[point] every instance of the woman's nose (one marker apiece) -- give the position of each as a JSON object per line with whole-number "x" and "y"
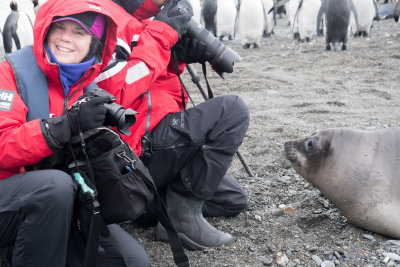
{"x": 66, "y": 36}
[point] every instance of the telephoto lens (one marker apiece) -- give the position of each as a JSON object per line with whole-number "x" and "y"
{"x": 222, "y": 58}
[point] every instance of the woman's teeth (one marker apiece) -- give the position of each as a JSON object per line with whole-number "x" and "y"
{"x": 64, "y": 49}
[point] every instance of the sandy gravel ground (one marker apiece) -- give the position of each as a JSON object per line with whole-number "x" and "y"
{"x": 292, "y": 89}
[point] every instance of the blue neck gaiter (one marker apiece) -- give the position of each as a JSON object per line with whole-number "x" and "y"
{"x": 70, "y": 73}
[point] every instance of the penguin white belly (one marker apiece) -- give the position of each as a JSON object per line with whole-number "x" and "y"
{"x": 251, "y": 21}
{"x": 225, "y": 18}
{"x": 307, "y": 18}
{"x": 292, "y": 6}
{"x": 269, "y": 17}
{"x": 366, "y": 13}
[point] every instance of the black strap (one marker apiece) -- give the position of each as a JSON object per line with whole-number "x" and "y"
{"x": 92, "y": 242}
{"x": 180, "y": 258}
{"x": 174, "y": 62}
{"x": 210, "y": 93}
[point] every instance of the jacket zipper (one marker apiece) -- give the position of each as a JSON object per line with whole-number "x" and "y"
{"x": 174, "y": 146}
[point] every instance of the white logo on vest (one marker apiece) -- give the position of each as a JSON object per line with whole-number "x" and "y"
{"x": 6, "y": 99}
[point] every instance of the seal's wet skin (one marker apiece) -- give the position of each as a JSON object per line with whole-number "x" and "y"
{"x": 357, "y": 170}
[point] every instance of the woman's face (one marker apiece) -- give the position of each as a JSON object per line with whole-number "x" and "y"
{"x": 69, "y": 42}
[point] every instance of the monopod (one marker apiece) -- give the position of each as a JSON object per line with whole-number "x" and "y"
{"x": 196, "y": 80}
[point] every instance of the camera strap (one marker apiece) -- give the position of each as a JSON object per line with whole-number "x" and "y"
{"x": 96, "y": 225}
{"x": 204, "y": 68}
{"x": 174, "y": 62}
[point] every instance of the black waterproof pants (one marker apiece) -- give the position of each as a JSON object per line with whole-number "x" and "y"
{"x": 191, "y": 150}
{"x": 35, "y": 219}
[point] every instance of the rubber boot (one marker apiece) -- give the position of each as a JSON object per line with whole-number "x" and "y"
{"x": 194, "y": 231}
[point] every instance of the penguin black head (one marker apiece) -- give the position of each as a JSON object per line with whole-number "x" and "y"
{"x": 14, "y": 5}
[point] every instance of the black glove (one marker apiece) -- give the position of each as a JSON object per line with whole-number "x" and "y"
{"x": 176, "y": 13}
{"x": 189, "y": 50}
{"x": 88, "y": 115}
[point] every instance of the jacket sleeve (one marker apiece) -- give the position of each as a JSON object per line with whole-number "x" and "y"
{"x": 146, "y": 10}
{"x": 148, "y": 57}
{"x": 21, "y": 142}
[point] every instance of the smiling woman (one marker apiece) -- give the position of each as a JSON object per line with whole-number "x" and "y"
{"x": 73, "y": 42}
{"x": 69, "y": 42}
{"x": 74, "y": 38}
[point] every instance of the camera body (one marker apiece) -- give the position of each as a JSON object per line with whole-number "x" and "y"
{"x": 116, "y": 115}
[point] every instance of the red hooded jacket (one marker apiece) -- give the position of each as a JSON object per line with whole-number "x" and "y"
{"x": 23, "y": 143}
{"x": 143, "y": 66}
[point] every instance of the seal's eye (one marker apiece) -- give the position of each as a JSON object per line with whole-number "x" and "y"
{"x": 310, "y": 143}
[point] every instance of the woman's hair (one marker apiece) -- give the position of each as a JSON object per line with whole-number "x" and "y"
{"x": 96, "y": 48}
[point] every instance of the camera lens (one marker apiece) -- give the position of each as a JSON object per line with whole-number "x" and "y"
{"x": 222, "y": 57}
{"x": 119, "y": 117}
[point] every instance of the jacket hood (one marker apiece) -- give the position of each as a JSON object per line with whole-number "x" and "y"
{"x": 55, "y": 8}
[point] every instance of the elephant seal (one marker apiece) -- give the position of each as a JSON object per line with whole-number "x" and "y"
{"x": 357, "y": 170}
{"x": 337, "y": 20}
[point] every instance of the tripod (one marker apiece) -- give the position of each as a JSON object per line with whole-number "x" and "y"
{"x": 196, "y": 80}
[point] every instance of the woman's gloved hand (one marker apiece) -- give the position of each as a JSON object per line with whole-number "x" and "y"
{"x": 87, "y": 115}
{"x": 189, "y": 50}
{"x": 176, "y": 13}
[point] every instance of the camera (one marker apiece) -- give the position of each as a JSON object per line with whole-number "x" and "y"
{"x": 222, "y": 57}
{"x": 116, "y": 115}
